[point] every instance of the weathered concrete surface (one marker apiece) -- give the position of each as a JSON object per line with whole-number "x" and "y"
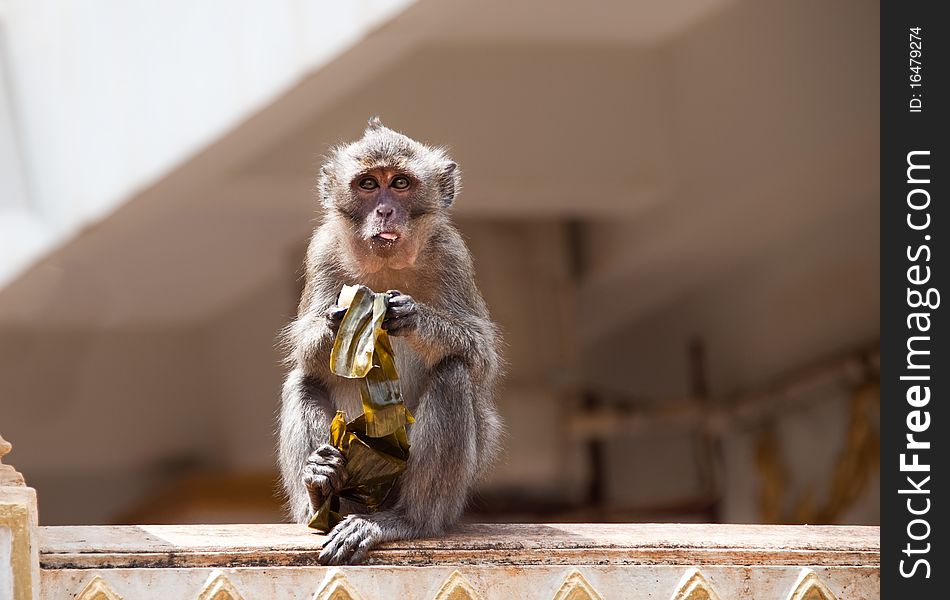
{"x": 490, "y": 582}
{"x": 559, "y": 562}
{"x": 509, "y": 544}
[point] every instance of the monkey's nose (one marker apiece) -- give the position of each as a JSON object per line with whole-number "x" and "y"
{"x": 384, "y": 210}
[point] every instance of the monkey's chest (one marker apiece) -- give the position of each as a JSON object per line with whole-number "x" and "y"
{"x": 346, "y": 395}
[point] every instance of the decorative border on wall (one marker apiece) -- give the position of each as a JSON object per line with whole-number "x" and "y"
{"x": 693, "y": 586}
{"x": 571, "y": 584}
{"x": 98, "y": 589}
{"x": 576, "y": 587}
{"x": 809, "y": 587}
{"x": 336, "y": 587}
{"x": 219, "y": 587}
{"x": 457, "y": 588}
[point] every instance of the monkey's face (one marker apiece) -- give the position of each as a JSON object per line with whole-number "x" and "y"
{"x": 391, "y": 191}
{"x": 384, "y": 198}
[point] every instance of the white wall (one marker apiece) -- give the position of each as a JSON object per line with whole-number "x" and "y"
{"x": 110, "y": 95}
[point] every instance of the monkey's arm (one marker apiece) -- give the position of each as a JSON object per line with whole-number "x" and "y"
{"x": 457, "y": 325}
{"x": 310, "y": 469}
{"x": 310, "y": 337}
{"x": 453, "y": 321}
{"x": 446, "y": 332}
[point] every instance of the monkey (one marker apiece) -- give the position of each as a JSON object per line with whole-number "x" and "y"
{"x": 386, "y": 225}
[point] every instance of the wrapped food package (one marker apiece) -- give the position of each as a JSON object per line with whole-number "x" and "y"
{"x": 375, "y": 444}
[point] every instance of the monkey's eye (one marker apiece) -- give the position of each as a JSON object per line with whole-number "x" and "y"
{"x": 400, "y": 182}
{"x": 368, "y": 183}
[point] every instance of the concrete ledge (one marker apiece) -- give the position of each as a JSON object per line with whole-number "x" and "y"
{"x": 171, "y": 546}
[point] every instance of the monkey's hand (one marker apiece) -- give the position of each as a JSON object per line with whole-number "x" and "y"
{"x": 401, "y": 313}
{"x": 350, "y": 540}
{"x": 324, "y": 474}
{"x": 334, "y": 316}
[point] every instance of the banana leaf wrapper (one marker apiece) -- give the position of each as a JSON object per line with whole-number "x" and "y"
{"x": 362, "y": 350}
{"x": 375, "y": 444}
{"x": 372, "y": 463}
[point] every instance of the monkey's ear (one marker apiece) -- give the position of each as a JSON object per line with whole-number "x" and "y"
{"x": 450, "y": 180}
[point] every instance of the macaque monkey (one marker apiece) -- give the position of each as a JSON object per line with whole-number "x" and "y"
{"x": 386, "y": 199}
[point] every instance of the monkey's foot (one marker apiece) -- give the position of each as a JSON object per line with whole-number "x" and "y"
{"x": 350, "y": 540}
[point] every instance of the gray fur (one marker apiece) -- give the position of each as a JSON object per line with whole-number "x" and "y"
{"x": 444, "y": 340}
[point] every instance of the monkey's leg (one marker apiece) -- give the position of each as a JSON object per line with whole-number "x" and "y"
{"x": 305, "y": 416}
{"x": 441, "y": 468}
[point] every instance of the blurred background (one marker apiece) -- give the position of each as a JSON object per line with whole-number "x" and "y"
{"x": 673, "y": 207}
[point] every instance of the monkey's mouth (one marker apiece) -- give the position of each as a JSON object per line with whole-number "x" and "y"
{"x": 387, "y": 238}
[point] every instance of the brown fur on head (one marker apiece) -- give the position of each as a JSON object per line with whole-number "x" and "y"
{"x": 389, "y": 191}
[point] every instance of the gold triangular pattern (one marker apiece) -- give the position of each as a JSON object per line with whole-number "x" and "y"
{"x": 336, "y": 587}
{"x": 693, "y": 586}
{"x": 219, "y": 587}
{"x": 456, "y": 588}
{"x": 809, "y": 587}
{"x": 576, "y": 587}
{"x": 98, "y": 589}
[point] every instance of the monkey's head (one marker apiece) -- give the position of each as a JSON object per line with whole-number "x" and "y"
{"x": 390, "y": 192}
